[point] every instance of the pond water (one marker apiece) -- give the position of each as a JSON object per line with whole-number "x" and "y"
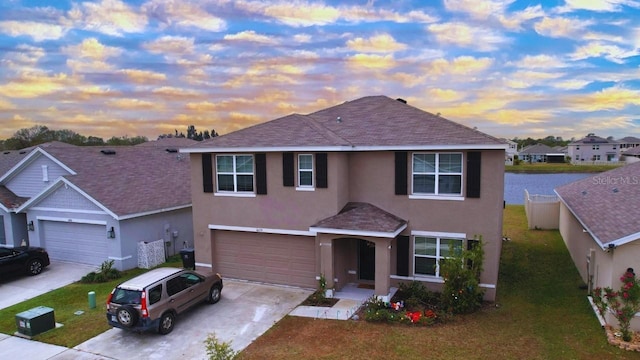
{"x": 536, "y": 184}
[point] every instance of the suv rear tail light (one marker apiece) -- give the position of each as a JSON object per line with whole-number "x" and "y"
{"x": 109, "y": 298}
{"x": 143, "y": 304}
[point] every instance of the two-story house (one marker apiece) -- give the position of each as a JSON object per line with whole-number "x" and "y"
{"x": 511, "y": 153}
{"x": 592, "y": 149}
{"x": 370, "y": 191}
{"x": 91, "y": 204}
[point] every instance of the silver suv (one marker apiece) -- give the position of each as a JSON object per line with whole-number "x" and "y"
{"x": 152, "y": 300}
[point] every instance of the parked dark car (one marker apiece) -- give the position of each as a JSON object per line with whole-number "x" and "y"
{"x": 29, "y": 260}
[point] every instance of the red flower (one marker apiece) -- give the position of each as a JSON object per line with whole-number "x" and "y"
{"x": 414, "y": 316}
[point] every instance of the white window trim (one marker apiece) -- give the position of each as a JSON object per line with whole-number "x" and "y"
{"x": 235, "y": 174}
{"x": 438, "y": 235}
{"x": 45, "y": 173}
{"x": 436, "y": 173}
{"x": 311, "y": 187}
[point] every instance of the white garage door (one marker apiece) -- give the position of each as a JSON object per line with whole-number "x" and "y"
{"x": 81, "y": 243}
{"x": 275, "y": 259}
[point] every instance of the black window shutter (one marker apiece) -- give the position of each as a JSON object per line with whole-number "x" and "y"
{"x": 473, "y": 173}
{"x": 402, "y": 255}
{"x": 207, "y": 173}
{"x": 471, "y": 244}
{"x": 261, "y": 173}
{"x": 401, "y": 172}
{"x": 288, "y": 169}
{"x": 321, "y": 170}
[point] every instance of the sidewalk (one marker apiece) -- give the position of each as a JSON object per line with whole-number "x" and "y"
{"x": 14, "y": 347}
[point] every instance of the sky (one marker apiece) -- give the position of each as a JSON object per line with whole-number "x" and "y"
{"x": 511, "y": 68}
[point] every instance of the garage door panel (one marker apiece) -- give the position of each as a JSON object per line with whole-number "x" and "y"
{"x": 75, "y": 242}
{"x": 278, "y": 259}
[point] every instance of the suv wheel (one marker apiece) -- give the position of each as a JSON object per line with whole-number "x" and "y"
{"x": 34, "y": 267}
{"x": 214, "y": 294}
{"x": 127, "y": 316}
{"x": 166, "y": 323}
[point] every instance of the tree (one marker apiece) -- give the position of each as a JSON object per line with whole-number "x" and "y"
{"x": 125, "y": 140}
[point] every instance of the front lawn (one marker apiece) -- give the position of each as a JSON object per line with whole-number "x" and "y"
{"x": 541, "y": 313}
{"x": 65, "y": 302}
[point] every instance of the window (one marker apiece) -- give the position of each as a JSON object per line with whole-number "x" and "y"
{"x": 305, "y": 170}
{"x": 428, "y": 251}
{"x": 155, "y": 294}
{"x": 596, "y": 157}
{"x": 437, "y": 174}
{"x": 595, "y": 147}
{"x": 234, "y": 173}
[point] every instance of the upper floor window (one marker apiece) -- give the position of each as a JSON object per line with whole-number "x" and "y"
{"x": 595, "y": 147}
{"x": 428, "y": 251}
{"x": 437, "y": 173}
{"x": 305, "y": 170}
{"x": 234, "y": 173}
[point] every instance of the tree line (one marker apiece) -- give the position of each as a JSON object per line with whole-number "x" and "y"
{"x": 40, "y": 134}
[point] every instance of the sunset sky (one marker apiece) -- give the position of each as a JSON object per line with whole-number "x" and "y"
{"x": 143, "y": 68}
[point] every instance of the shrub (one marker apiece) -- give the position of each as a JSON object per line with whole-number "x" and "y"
{"x": 217, "y": 350}
{"x": 461, "y": 292}
{"x": 105, "y": 273}
{"x": 624, "y": 304}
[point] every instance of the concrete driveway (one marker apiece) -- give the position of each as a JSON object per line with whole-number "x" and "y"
{"x": 245, "y": 312}
{"x": 17, "y": 288}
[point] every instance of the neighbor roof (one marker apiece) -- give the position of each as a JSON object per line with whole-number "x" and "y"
{"x": 358, "y": 218}
{"x": 132, "y": 180}
{"x": 634, "y": 151}
{"x": 629, "y": 140}
{"x": 538, "y": 149}
{"x": 368, "y": 123}
{"x": 593, "y": 139}
{"x": 606, "y": 204}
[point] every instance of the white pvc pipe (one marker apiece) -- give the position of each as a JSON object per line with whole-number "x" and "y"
{"x": 603, "y": 323}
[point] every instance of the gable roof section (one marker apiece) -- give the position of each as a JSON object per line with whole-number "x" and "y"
{"x": 538, "y": 149}
{"x": 606, "y": 204}
{"x": 28, "y": 159}
{"x": 10, "y": 201}
{"x": 361, "y": 219}
{"x": 133, "y": 181}
{"x": 369, "y": 123}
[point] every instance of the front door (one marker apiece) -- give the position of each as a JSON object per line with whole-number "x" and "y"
{"x": 366, "y": 260}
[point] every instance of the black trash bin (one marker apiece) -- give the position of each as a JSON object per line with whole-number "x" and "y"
{"x": 188, "y": 258}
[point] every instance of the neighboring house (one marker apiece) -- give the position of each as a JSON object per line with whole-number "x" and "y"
{"x": 89, "y": 204}
{"x": 631, "y": 155}
{"x": 599, "y": 224}
{"x": 592, "y": 149}
{"x": 511, "y": 152}
{"x": 369, "y": 191}
{"x": 628, "y": 143}
{"x": 536, "y": 153}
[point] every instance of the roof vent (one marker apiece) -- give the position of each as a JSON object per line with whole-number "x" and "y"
{"x": 108, "y": 152}
{"x": 402, "y": 100}
{"x": 615, "y": 190}
{"x": 339, "y": 120}
{"x": 171, "y": 150}
{"x": 584, "y": 192}
{"x": 7, "y": 152}
{"x": 22, "y": 152}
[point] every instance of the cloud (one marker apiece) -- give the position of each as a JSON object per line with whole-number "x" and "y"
{"x": 31, "y": 85}
{"x": 90, "y": 56}
{"x": 612, "y": 98}
{"x": 541, "y": 61}
{"x": 293, "y": 13}
{"x": 251, "y": 36}
{"x": 478, "y": 9}
{"x": 370, "y": 61}
{"x": 463, "y": 35}
{"x": 23, "y": 59}
{"x": 380, "y": 43}
{"x": 443, "y": 95}
{"x": 6, "y": 105}
{"x": 612, "y": 53}
{"x": 525, "y": 79}
{"x": 111, "y": 17}
{"x": 597, "y": 5}
{"x": 515, "y": 20}
{"x": 183, "y": 14}
{"x": 571, "y": 84}
{"x": 561, "y": 27}
{"x": 174, "y": 92}
{"x": 462, "y": 65}
{"x": 143, "y": 76}
{"x": 36, "y": 30}
{"x": 175, "y": 45}
{"x": 135, "y": 104}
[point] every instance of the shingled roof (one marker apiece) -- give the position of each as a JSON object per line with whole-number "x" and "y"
{"x": 127, "y": 180}
{"x": 373, "y": 122}
{"x": 357, "y": 218}
{"x": 606, "y": 204}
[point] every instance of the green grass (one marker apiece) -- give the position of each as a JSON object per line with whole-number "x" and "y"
{"x": 65, "y": 302}
{"x": 557, "y": 168}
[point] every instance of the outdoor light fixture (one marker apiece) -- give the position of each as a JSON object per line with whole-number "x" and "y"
{"x": 30, "y": 226}
{"x": 111, "y": 234}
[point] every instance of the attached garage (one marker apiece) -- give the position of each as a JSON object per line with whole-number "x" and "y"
{"x": 269, "y": 258}
{"x": 75, "y": 242}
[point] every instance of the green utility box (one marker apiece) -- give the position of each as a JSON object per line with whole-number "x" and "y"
{"x": 35, "y": 321}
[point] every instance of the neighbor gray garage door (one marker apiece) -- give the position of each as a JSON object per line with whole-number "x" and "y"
{"x": 269, "y": 258}
{"x": 81, "y": 243}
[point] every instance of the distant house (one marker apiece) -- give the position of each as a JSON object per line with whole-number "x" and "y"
{"x": 372, "y": 191}
{"x": 592, "y": 149}
{"x": 598, "y": 222}
{"x": 631, "y": 155}
{"x": 511, "y": 152}
{"x": 90, "y": 204}
{"x": 539, "y": 153}
{"x": 628, "y": 143}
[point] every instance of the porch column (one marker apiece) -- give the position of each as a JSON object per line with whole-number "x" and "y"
{"x": 326, "y": 260}
{"x": 383, "y": 269}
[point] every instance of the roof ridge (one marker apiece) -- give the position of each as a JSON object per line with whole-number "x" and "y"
{"x": 310, "y": 119}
